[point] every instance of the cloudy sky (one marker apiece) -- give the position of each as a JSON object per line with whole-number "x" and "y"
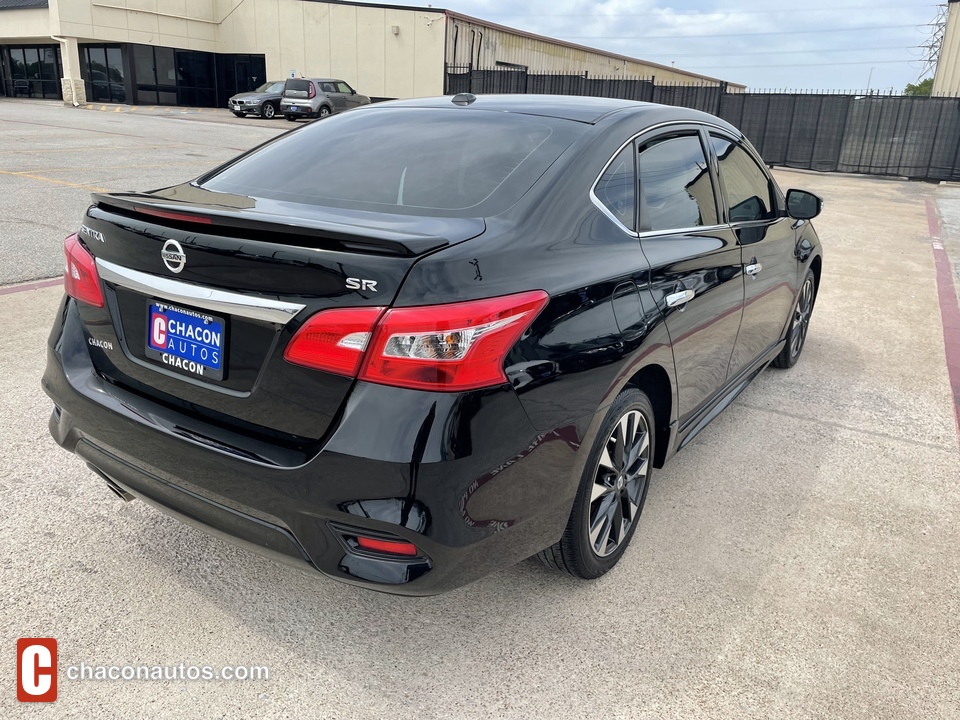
{"x": 827, "y": 45}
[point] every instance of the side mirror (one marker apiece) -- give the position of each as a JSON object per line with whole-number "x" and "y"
{"x": 803, "y": 205}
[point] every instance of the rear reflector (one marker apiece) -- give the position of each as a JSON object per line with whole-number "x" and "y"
{"x": 455, "y": 347}
{"x": 80, "y": 278}
{"x": 391, "y": 547}
{"x": 333, "y": 340}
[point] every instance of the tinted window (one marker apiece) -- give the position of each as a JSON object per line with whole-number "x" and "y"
{"x": 327, "y": 87}
{"x": 297, "y": 85}
{"x": 749, "y": 192}
{"x": 616, "y": 188}
{"x": 410, "y": 160}
{"x": 675, "y": 186}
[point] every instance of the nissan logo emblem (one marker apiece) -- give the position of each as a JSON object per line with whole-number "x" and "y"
{"x": 173, "y": 256}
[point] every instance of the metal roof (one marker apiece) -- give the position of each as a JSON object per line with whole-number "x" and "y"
{"x": 18, "y": 4}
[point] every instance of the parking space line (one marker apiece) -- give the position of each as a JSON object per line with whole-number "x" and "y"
{"x": 30, "y": 176}
{"x": 97, "y": 148}
{"x": 949, "y": 309}
{"x": 28, "y": 173}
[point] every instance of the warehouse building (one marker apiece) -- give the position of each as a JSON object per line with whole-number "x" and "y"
{"x": 947, "y": 80}
{"x": 200, "y": 52}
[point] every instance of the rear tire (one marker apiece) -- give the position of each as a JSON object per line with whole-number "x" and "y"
{"x": 291, "y": 118}
{"x": 799, "y": 324}
{"x": 323, "y": 112}
{"x": 613, "y": 490}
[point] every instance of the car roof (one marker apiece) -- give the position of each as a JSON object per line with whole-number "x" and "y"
{"x": 315, "y": 79}
{"x": 567, "y": 107}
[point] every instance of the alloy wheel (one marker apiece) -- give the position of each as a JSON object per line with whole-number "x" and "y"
{"x": 268, "y": 112}
{"x": 801, "y": 318}
{"x": 619, "y": 483}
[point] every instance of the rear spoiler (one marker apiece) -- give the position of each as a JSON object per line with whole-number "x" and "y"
{"x": 340, "y": 230}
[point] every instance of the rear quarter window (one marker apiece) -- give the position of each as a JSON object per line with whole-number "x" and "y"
{"x": 409, "y": 160}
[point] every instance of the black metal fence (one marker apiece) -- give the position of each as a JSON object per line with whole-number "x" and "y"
{"x": 915, "y": 137}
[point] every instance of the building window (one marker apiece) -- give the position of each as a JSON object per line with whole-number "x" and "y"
{"x": 165, "y": 76}
{"x": 102, "y": 70}
{"x": 34, "y": 71}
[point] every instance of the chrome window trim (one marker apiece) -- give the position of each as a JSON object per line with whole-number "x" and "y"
{"x": 218, "y": 301}
{"x": 649, "y": 233}
{"x": 683, "y": 231}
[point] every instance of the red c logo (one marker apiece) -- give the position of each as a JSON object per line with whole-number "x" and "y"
{"x": 36, "y": 669}
{"x": 158, "y": 331}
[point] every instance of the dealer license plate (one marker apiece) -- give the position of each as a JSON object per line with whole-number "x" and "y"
{"x": 186, "y": 341}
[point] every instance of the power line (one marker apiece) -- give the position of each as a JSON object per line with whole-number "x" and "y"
{"x": 781, "y": 51}
{"x": 730, "y": 67}
{"x": 695, "y": 13}
{"x": 696, "y": 37}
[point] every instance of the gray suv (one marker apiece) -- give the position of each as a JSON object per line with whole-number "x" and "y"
{"x": 318, "y": 98}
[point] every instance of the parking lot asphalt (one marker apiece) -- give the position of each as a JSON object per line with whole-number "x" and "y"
{"x": 798, "y": 560}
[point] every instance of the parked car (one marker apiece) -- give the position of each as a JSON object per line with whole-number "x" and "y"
{"x": 318, "y": 98}
{"x": 419, "y": 342}
{"x": 264, "y": 101}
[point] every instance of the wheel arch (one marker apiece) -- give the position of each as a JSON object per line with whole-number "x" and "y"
{"x": 815, "y": 266}
{"x": 654, "y": 381}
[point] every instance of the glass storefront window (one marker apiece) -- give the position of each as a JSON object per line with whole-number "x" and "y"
{"x": 34, "y": 71}
{"x": 103, "y": 71}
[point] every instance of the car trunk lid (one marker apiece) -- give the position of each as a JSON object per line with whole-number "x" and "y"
{"x": 238, "y": 276}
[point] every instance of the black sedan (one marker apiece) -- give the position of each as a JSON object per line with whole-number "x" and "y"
{"x": 264, "y": 101}
{"x": 424, "y": 340}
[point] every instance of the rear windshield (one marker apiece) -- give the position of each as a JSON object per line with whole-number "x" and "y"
{"x": 420, "y": 161}
{"x": 301, "y": 85}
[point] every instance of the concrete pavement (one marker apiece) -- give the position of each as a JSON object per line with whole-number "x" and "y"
{"x": 798, "y": 560}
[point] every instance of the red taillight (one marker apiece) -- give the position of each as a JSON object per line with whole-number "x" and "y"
{"x": 392, "y": 547}
{"x": 312, "y": 92}
{"x": 334, "y": 340}
{"x": 171, "y": 215}
{"x": 80, "y": 277}
{"x": 456, "y": 347}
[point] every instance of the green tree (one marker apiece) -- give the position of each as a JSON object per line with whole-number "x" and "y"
{"x": 924, "y": 87}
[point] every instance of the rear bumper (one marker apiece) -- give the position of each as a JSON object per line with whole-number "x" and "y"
{"x": 464, "y": 477}
{"x": 304, "y": 108}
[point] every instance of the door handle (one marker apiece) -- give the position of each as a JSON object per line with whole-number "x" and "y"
{"x": 753, "y": 268}
{"x": 680, "y": 298}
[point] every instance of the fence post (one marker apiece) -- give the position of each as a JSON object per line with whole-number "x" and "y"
{"x": 936, "y": 134}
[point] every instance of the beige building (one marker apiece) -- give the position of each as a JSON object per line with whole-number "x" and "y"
{"x": 200, "y": 52}
{"x": 947, "y": 80}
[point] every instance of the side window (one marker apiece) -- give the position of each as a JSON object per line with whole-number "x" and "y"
{"x": 344, "y": 88}
{"x": 675, "y": 187}
{"x": 616, "y": 188}
{"x": 749, "y": 192}
{"x": 327, "y": 87}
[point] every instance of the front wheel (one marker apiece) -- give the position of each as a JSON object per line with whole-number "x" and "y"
{"x": 613, "y": 489}
{"x": 267, "y": 111}
{"x": 799, "y": 324}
